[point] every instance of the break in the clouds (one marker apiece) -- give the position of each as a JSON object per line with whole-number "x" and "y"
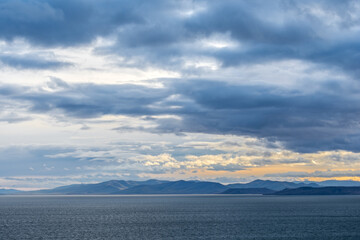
{"x": 94, "y": 90}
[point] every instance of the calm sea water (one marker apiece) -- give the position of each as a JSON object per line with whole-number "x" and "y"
{"x": 180, "y": 217}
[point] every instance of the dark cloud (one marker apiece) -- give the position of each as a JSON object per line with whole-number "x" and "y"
{"x": 69, "y": 22}
{"x": 264, "y": 32}
{"x": 245, "y": 22}
{"x": 167, "y": 34}
{"x": 63, "y": 22}
{"x": 88, "y": 100}
{"x": 320, "y": 174}
{"x": 303, "y": 121}
{"x": 31, "y": 62}
{"x": 13, "y": 118}
{"x": 160, "y": 33}
{"x": 307, "y": 122}
{"x": 57, "y": 83}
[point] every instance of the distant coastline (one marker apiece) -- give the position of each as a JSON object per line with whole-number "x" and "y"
{"x": 153, "y": 186}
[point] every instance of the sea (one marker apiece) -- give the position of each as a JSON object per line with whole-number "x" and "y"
{"x": 180, "y": 217}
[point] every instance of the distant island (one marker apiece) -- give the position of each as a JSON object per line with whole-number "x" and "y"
{"x": 248, "y": 191}
{"x": 153, "y": 186}
{"x": 320, "y": 191}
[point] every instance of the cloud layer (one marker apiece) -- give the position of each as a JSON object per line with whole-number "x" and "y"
{"x": 310, "y": 122}
{"x": 284, "y": 73}
{"x": 177, "y": 32}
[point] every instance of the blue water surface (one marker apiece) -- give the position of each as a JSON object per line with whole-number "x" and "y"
{"x": 180, "y": 217}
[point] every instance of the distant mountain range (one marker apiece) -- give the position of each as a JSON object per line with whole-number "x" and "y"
{"x": 320, "y": 191}
{"x": 272, "y": 185}
{"x": 337, "y": 183}
{"x": 109, "y": 187}
{"x": 178, "y": 187}
{"x": 154, "y": 186}
{"x": 9, "y": 191}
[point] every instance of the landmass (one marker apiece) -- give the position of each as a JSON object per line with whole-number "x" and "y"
{"x": 153, "y": 186}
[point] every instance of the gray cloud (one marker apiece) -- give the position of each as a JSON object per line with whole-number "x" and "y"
{"x": 228, "y": 167}
{"x": 31, "y": 62}
{"x": 91, "y": 100}
{"x": 13, "y": 118}
{"x": 64, "y": 23}
{"x": 321, "y": 174}
{"x": 325, "y": 119}
{"x": 70, "y": 23}
{"x": 264, "y": 33}
{"x": 293, "y": 68}
{"x": 305, "y": 122}
{"x": 159, "y": 33}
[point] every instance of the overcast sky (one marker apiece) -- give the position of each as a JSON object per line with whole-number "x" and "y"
{"x": 228, "y": 91}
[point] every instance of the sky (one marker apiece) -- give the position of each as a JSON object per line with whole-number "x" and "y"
{"x": 226, "y": 91}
